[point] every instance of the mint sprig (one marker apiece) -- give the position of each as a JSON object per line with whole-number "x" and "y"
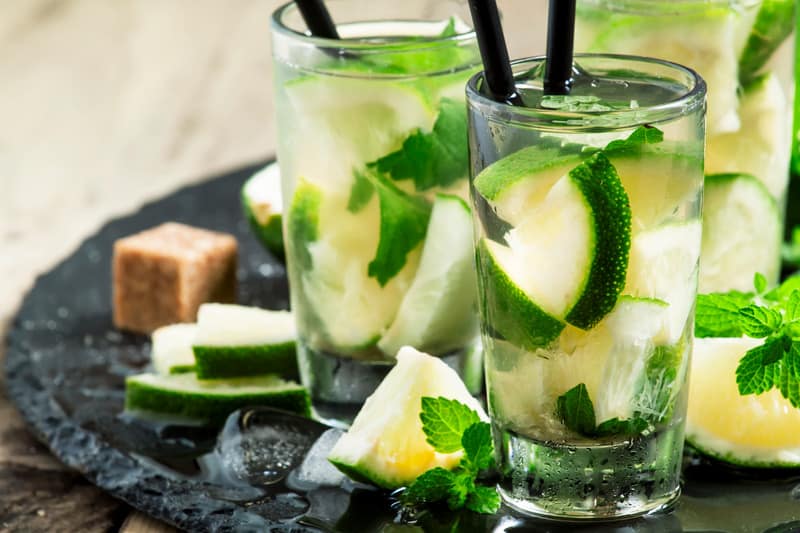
{"x": 450, "y": 426}
{"x": 575, "y": 409}
{"x": 435, "y": 158}
{"x": 772, "y": 315}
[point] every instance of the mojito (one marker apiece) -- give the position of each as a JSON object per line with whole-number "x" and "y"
{"x": 373, "y": 154}
{"x": 744, "y": 50}
{"x": 588, "y": 235}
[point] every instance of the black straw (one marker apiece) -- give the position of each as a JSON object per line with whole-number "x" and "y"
{"x": 492, "y": 44}
{"x": 317, "y": 18}
{"x": 560, "y": 42}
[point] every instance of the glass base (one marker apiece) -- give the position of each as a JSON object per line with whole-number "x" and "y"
{"x": 339, "y": 386}
{"x": 604, "y": 482}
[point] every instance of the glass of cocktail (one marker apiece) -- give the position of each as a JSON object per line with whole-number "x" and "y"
{"x": 744, "y": 50}
{"x": 373, "y": 153}
{"x": 587, "y": 215}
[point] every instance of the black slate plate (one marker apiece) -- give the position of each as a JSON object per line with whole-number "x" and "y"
{"x": 66, "y": 366}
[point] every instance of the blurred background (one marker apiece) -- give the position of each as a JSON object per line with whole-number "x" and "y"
{"x": 107, "y": 104}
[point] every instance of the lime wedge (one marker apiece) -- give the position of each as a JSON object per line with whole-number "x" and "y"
{"x": 171, "y": 351}
{"x": 263, "y": 207}
{"x": 752, "y": 431}
{"x": 385, "y": 445}
{"x": 184, "y": 396}
{"x": 238, "y": 341}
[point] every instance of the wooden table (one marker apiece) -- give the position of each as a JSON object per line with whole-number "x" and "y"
{"x": 104, "y": 105}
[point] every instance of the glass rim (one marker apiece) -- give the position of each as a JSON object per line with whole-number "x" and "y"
{"x": 360, "y": 46}
{"x": 680, "y": 105}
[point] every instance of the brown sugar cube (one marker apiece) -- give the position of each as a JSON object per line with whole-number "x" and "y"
{"x": 162, "y": 275}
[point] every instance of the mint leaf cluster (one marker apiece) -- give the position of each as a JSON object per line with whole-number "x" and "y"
{"x": 430, "y": 159}
{"x": 770, "y": 315}
{"x": 575, "y": 409}
{"x": 450, "y": 426}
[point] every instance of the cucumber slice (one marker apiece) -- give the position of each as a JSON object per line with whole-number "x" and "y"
{"x": 773, "y": 25}
{"x": 762, "y": 147}
{"x": 185, "y": 396}
{"x": 171, "y": 351}
{"x": 438, "y": 313}
{"x": 663, "y": 265}
{"x": 709, "y": 41}
{"x": 757, "y": 431}
{"x": 348, "y": 123}
{"x": 238, "y": 341}
{"x": 262, "y": 204}
{"x": 340, "y": 307}
{"x": 741, "y": 233}
{"x": 385, "y": 445}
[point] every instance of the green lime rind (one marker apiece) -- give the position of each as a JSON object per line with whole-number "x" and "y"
{"x": 270, "y": 235}
{"x": 218, "y": 362}
{"x": 611, "y": 213}
{"x": 731, "y": 458}
{"x": 500, "y": 176}
{"x": 181, "y": 369}
{"x": 509, "y": 310}
{"x": 773, "y": 25}
{"x": 303, "y": 222}
{"x": 360, "y": 473}
{"x": 183, "y": 395}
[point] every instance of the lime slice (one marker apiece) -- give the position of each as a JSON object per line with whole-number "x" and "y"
{"x": 708, "y": 40}
{"x": 385, "y": 445}
{"x": 741, "y": 233}
{"x": 762, "y": 146}
{"x": 339, "y": 306}
{"x": 184, "y": 396}
{"x": 773, "y": 25}
{"x": 517, "y": 181}
{"x": 263, "y": 206}
{"x": 753, "y": 430}
{"x": 659, "y": 181}
{"x": 348, "y": 123}
{"x": 663, "y": 265}
{"x": 238, "y": 341}
{"x": 171, "y": 351}
{"x": 439, "y": 312}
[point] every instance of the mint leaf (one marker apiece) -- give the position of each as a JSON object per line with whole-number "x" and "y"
{"x": 463, "y": 485}
{"x": 717, "y": 314}
{"x": 360, "y": 193}
{"x": 438, "y": 158}
{"x": 450, "y": 29}
{"x": 444, "y": 422}
{"x": 789, "y": 380}
{"x": 793, "y": 306}
{"x": 641, "y": 136}
{"x": 784, "y": 290}
{"x": 759, "y": 322}
{"x": 478, "y": 449}
{"x": 760, "y": 283}
{"x": 432, "y": 486}
{"x": 404, "y": 221}
{"x": 574, "y": 408}
{"x": 615, "y": 426}
{"x": 756, "y": 372}
{"x": 484, "y": 500}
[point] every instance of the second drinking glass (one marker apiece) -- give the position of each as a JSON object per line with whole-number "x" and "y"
{"x": 587, "y": 212}
{"x": 373, "y": 154}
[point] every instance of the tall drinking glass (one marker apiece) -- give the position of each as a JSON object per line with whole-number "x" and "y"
{"x": 587, "y": 215}
{"x": 374, "y": 162}
{"x": 744, "y": 50}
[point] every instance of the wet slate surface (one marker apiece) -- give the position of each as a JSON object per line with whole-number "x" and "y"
{"x": 66, "y": 366}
